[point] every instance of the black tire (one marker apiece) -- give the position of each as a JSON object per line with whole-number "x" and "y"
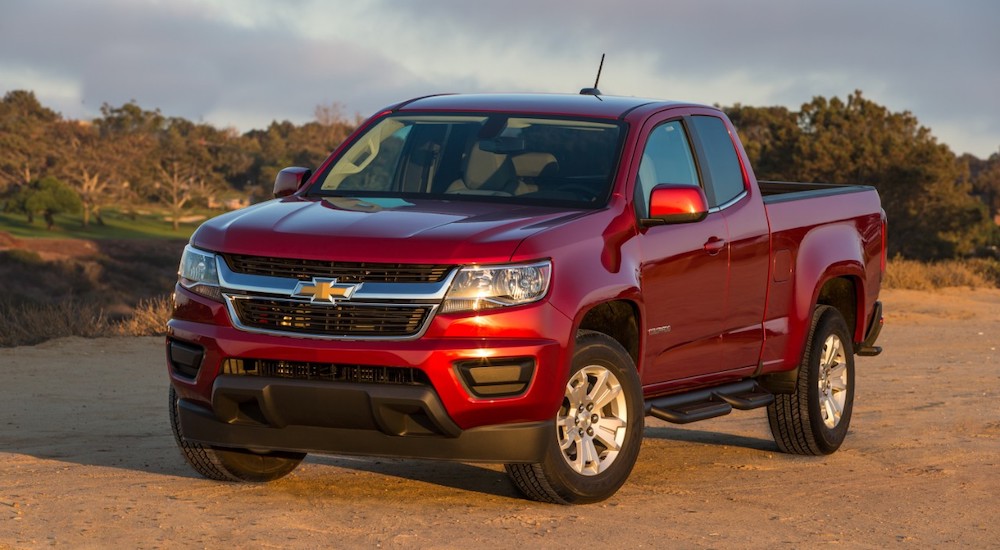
{"x": 806, "y": 421}
{"x": 583, "y": 481}
{"x": 231, "y": 464}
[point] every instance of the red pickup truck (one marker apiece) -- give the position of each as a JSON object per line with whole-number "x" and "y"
{"x": 522, "y": 279}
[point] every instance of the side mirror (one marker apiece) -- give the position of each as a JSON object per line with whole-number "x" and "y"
{"x": 670, "y": 203}
{"x": 290, "y": 180}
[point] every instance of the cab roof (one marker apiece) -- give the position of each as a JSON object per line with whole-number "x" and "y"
{"x": 582, "y": 105}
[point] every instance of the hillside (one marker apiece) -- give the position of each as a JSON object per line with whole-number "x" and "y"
{"x": 110, "y": 274}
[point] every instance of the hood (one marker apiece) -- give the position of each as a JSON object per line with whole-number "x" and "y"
{"x": 379, "y": 229}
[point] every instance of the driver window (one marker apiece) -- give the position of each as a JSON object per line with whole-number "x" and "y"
{"x": 666, "y": 159}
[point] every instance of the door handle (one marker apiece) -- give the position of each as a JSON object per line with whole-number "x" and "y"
{"x": 714, "y": 246}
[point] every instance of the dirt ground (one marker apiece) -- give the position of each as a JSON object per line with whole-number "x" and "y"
{"x": 87, "y": 460}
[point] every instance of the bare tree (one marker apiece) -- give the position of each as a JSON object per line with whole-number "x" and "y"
{"x": 175, "y": 189}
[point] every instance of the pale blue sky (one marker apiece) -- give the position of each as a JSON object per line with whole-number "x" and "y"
{"x": 243, "y": 63}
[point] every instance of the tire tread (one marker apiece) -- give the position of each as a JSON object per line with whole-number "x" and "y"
{"x": 789, "y": 416}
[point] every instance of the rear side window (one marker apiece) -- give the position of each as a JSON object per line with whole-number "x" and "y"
{"x": 723, "y": 165}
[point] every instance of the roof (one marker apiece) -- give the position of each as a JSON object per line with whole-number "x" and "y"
{"x": 552, "y": 104}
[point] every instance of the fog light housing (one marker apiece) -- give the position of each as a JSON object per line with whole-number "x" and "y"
{"x": 496, "y": 377}
{"x": 185, "y": 358}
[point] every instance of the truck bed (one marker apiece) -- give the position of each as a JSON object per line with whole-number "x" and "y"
{"x": 782, "y": 191}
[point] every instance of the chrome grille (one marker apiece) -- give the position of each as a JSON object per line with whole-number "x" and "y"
{"x": 346, "y": 319}
{"x": 344, "y": 272}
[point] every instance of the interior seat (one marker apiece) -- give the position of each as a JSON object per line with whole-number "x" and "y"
{"x": 530, "y": 166}
{"x": 486, "y": 173}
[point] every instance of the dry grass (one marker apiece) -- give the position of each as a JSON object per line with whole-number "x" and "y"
{"x": 914, "y": 275}
{"x": 29, "y": 324}
{"x": 149, "y": 318}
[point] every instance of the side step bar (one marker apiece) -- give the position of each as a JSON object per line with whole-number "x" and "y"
{"x": 692, "y": 406}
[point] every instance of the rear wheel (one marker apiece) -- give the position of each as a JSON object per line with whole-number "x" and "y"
{"x": 231, "y": 464}
{"x": 596, "y": 433}
{"x": 813, "y": 420}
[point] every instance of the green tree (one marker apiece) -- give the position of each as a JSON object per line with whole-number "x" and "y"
{"x": 186, "y": 168}
{"x": 48, "y": 197}
{"x": 925, "y": 189}
{"x": 985, "y": 175}
{"x": 128, "y": 140}
{"x": 25, "y": 140}
{"x": 769, "y": 135}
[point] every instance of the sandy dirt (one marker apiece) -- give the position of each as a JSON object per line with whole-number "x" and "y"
{"x": 87, "y": 460}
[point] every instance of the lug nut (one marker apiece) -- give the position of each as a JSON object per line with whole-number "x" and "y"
{"x": 590, "y": 431}
{"x": 595, "y": 419}
{"x": 590, "y": 406}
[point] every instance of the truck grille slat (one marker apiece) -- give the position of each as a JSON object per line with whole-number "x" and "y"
{"x": 345, "y": 272}
{"x": 331, "y": 372}
{"x": 336, "y": 320}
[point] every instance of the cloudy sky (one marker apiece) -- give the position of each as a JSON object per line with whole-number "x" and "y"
{"x": 244, "y": 63}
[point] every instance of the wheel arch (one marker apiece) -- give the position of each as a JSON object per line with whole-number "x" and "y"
{"x": 845, "y": 294}
{"x": 620, "y": 320}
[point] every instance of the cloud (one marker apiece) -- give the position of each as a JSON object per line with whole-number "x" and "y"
{"x": 246, "y": 62}
{"x": 193, "y": 63}
{"x": 935, "y": 59}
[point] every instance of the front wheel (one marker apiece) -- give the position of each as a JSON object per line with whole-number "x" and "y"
{"x": 813, "y": 420}
{"x": 596, "y": 433}
{"x": 231, "y": 464}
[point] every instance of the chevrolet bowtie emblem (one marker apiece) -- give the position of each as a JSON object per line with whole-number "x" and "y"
{"x": 324, "y": 290}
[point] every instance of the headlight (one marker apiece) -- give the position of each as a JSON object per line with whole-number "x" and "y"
{"x": 486, "y": 287}
{"x": 198, "y": 273}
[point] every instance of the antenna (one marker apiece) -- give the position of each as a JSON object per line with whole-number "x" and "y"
{"x": 599, "y": 67}
{"x": 594, "y": 91}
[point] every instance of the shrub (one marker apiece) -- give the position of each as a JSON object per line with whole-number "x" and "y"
{"x": 914, "y": 275}
{"x": 28, "y": 324}
{"x": 149, "y": 318}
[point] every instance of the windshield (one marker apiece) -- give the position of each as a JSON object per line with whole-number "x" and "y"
{"x": 507, "y": 158}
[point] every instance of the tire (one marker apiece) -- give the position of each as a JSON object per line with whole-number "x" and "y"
{"x": 231, "y": 464}
{"x": 814, "y": 418}
{"x": 587, "y": 461}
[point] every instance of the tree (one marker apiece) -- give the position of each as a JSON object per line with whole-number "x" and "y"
{"x": 769, "y": 135}
{"x": 128, "y": 138}
{"x": 48, "y": 197}
{"x": 25, "y": 151}
{"x": 186, "y": 166}
{"x": 86, "y": 164}
{"x": 926, "y": 191}
{"x": 985, "y": 175}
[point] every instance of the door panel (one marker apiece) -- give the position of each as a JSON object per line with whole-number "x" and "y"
{"x": 685, "y": 267}
{"x": 684, "y": 291}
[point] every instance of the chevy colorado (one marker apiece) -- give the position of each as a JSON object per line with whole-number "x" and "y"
{"x": 522, "y": 279}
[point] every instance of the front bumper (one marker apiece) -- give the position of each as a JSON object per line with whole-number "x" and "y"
{"x": 355, "y": 419}
{"x": 439, "y": 417}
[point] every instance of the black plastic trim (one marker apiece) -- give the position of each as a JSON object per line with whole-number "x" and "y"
{"x": 496, "y": 388}
{"x": 506, "y": 443}
{"x": 185, "y": 358}
{"x": 868, "y": 347}
{"x": 705, "y": 403}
